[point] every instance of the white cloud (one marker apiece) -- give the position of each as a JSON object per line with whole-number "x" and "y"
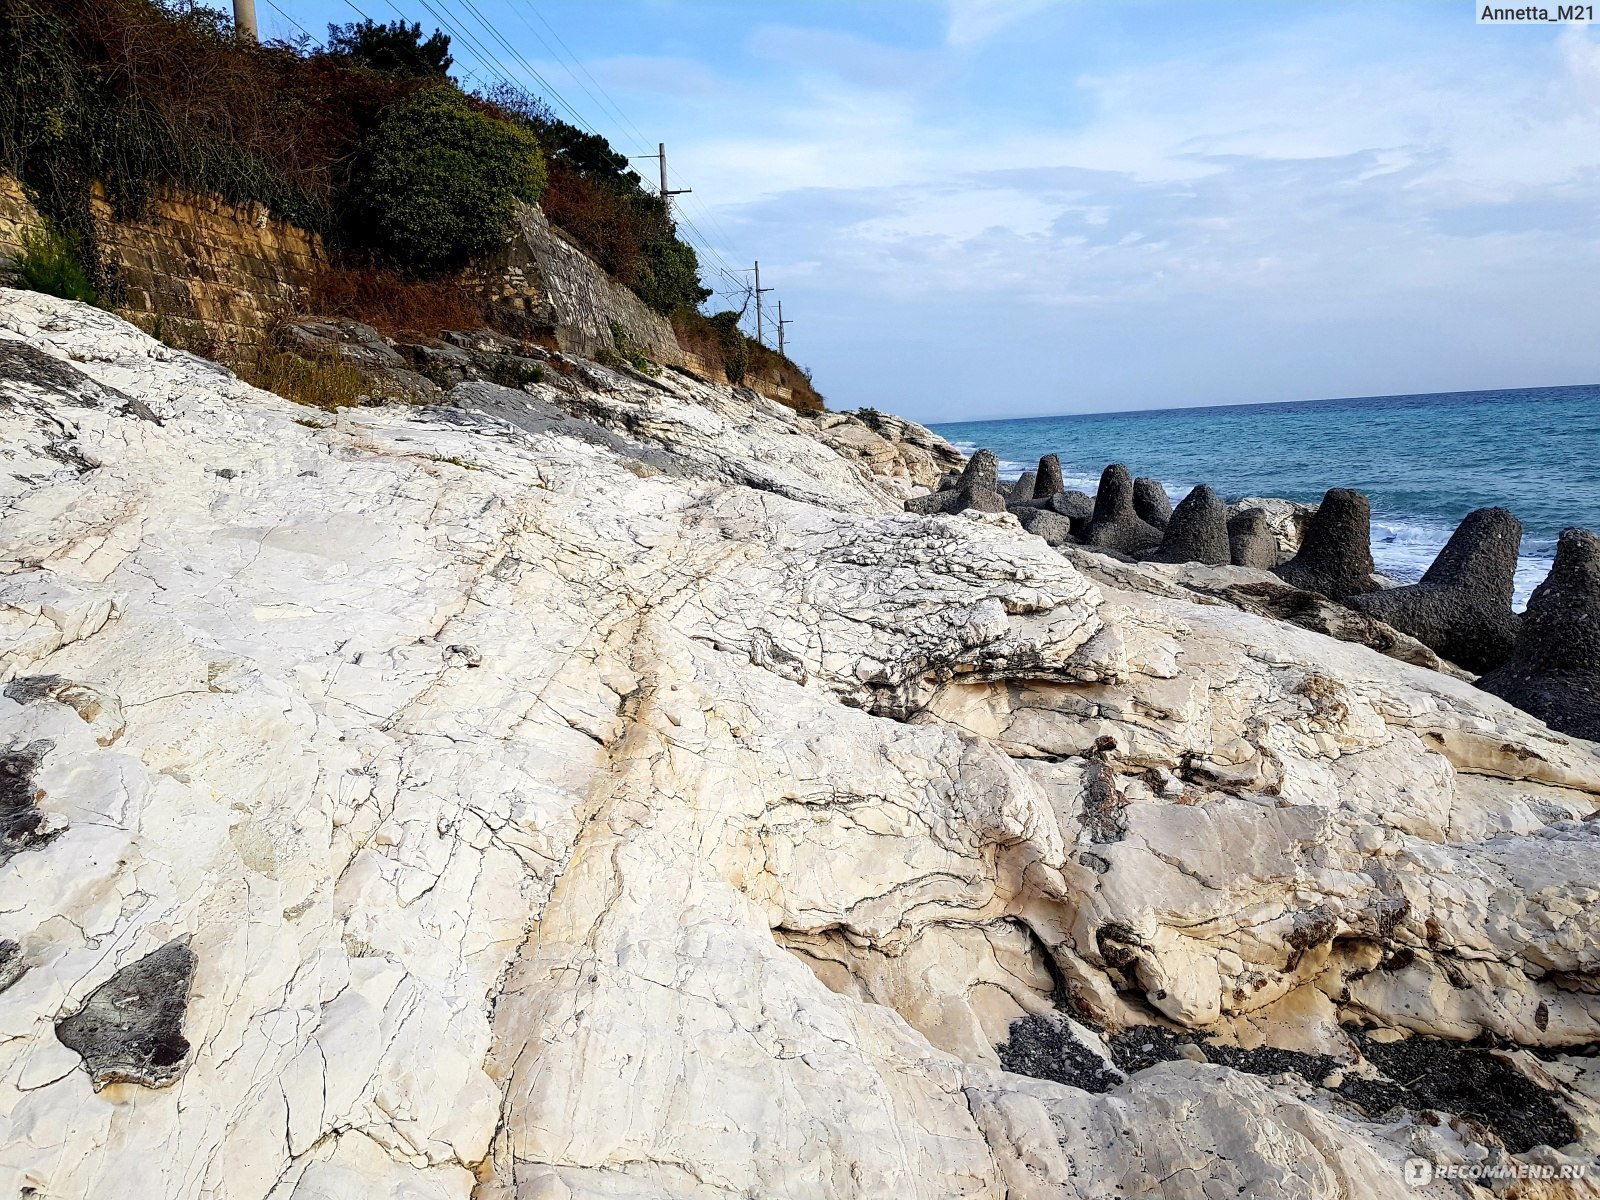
{"x": 1318, "y": 170}
{"x": 974, "y": 21}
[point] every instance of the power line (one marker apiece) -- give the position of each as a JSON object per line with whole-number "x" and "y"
{"x": 605, "y": 103}
{"x": 708, "y": 244}
{"x": 460, "y": 36}
{"x": 528, "y": 67}
{"x": 295, "y": 23}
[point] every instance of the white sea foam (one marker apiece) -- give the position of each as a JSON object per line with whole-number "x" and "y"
{"x": 1403, "y": 549}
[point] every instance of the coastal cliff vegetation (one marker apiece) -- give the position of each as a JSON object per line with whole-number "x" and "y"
{"x": 366, "y": 141}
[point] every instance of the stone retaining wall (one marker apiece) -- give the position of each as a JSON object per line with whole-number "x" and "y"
{"x": 216, "y": 275}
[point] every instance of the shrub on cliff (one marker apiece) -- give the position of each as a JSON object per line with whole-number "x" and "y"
{"x": 437, "y": 180}
{"x": 136, "y": 95}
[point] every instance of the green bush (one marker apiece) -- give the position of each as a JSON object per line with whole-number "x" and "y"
{"x": 437, "y": 181}
{"x": 50, "y": 263}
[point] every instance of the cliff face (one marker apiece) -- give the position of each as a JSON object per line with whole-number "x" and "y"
{"x": 222, "y": 276}
{"x": 598, "y": 790}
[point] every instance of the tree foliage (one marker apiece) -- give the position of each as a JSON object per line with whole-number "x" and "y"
{"x": 138, "y": 95}
{"x": 395, "y": 49}
{"x": 438, "y": 178}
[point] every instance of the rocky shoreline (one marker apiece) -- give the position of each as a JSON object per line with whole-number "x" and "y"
{"x": 1460, "y": 610}
{"x": 602, "y": 788}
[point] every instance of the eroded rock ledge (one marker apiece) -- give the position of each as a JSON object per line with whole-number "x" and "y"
{"x": 602, "y": 790}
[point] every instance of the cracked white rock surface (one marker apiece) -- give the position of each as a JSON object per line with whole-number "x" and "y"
{"x": 550, "y": 826}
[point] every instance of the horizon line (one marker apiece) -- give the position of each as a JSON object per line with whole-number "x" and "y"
{"x": 1115, "y": 412}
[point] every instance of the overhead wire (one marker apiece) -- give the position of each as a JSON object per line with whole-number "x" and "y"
{"x": 293, "y": 22}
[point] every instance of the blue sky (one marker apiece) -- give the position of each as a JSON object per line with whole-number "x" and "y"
{"x": 980, "y": 208}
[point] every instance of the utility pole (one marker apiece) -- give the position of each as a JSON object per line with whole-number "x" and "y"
{"x": 782, "y": 321}
{"x": 661, "y": 161}
{"x": 244, "y": 19}
{"x": 760, "y": 331}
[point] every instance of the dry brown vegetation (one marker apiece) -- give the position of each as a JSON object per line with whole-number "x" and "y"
{"x": 394, "y": 304}
{"x": 326, "y": 383}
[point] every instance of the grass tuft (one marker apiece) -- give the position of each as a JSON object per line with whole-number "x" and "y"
{"x": 50, "y": 263}
{"x": 326, "y": 383}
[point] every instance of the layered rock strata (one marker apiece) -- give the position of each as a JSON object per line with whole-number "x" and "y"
{"x": 600, "y": 789}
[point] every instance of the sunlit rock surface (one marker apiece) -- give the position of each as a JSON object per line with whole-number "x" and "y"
{"x": 604, "y": 790}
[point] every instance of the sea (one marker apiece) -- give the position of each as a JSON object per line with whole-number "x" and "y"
{"x": 1423, "y": 462}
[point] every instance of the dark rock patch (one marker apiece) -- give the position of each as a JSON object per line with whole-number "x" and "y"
{"x": 27, "y": 364}
{"x": 1554, "y": 671}
{"x": 1461, "y": 609}
{"x": 1115, "y": 525}
{"x": 1471, "y": 1082}
{"x": 22, "y": 822}
{"x": 1250, "y": 541}
{"x": 1022, "y": 490}
{"x": 1105, "y": 808}
{"x": 31, "y": 689}
{"x": 1044, "y": 1047}
{"x": 130, "y": 1029}
{"x": 1415, "y": 1074}
{"x": 1143, "y": 1046}
{"x": 1335, "y": 559}
{"x": 490, "y": 408}
{"x": 1150, "y": 501}
{"x": 1197, "y": 531}
{"x": 12, "y": 966}
{"x": 1311, "y": 928}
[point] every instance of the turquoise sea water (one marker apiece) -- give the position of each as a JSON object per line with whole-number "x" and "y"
{"x": 1423, "y": 461}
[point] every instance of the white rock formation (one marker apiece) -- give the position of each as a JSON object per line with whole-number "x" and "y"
{"x": 551, "y": 820}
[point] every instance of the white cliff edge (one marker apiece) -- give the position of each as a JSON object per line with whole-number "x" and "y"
{"x": 524, "y": 813}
